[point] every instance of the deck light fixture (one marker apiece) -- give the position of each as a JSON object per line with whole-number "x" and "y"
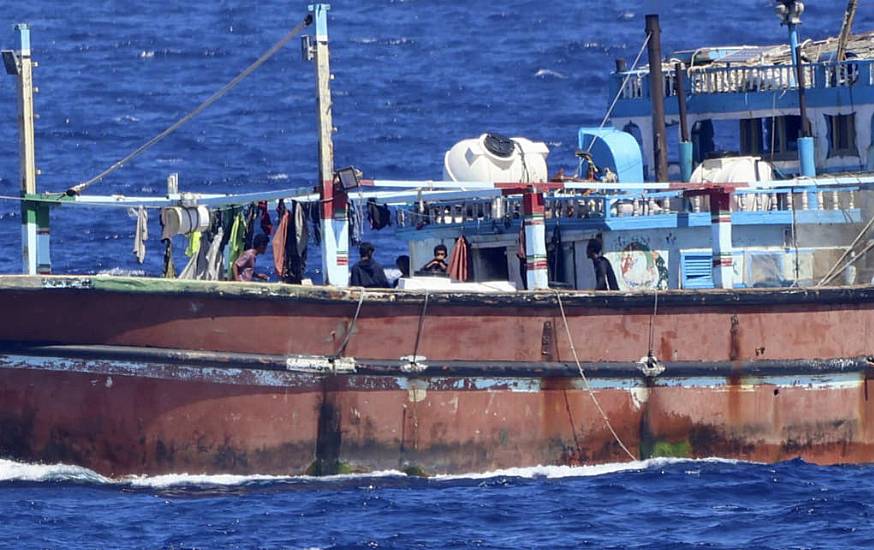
{"x": 10, "y": 61}
{"x": 789, "y": 11}
{"x": 349, "y": 178}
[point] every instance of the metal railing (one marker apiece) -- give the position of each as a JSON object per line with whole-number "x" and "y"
{"x": 761, "y": 78}
{"x": 504, "y": 210}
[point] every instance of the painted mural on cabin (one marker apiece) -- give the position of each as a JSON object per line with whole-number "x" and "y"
{"x": 637, "y": 266}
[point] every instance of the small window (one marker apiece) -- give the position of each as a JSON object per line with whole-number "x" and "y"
{"x": 842, "y": 135}
{"x": 751, "y": 137}
{"x": 781, "y": 137}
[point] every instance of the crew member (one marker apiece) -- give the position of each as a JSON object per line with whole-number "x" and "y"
{"x": 367, "y": 272}
{"x": 243, "y": 268}
{"x": 605, "y": 279}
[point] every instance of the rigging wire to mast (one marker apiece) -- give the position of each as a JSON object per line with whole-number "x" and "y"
{"x": 621, "y": 88}
{"x": 78, "y": 188}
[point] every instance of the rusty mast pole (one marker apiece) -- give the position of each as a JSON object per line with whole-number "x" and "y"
{"x": 657, "y": 97}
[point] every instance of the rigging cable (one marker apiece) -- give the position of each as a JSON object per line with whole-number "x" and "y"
{"x": 78, "y": 188}
{"x": 621, "y": 89}
{"x": 342, "y": 349}
{"x": 586, "y": 380}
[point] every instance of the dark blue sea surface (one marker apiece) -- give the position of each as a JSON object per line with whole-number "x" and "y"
{"x": 656, "y": 504}
{"x": 412, "y": 78}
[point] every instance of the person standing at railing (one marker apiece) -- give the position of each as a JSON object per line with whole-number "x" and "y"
{"x": 605, "y": 279}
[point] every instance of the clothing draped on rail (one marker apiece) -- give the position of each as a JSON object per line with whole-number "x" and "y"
{"x": 264, "y": 217}
{"x": 459, "y": 261}
{"x": 169, "y": 267}
{"x": 356, "y": 222}
{"x": 279, "y": 239}
{"x": 141, "y": 233}
{"x": 250, "y": 214}
{"x": 290, "y": 243}
{"x": 236, "y": 242}
{"x": 378, "y": 214}
{"x": 555, "y": 256}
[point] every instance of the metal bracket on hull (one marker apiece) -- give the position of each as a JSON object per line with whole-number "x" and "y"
{"x": 414, "y": 363}
{"x": 320, "y": 364}
{"x": 650, "y": 366}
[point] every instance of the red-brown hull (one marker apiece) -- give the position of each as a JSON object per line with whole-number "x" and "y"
{"x": 748, "y": 380}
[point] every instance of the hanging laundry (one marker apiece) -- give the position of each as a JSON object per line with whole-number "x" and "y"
{"x": 356, "y": 227}
{"x": 264, "y": 215}
{"x": 193, "y": 244}
{"x": 169, "y": 268}
{"x": 459, "y": 261}
{"x": 378, "y": 214}
{"x": 315, "y": 218}
{"x": 555, "y": 256}
{"x": 250, "y": 215}
{"x": 214, "y": 257}
{"x": 296, "y": 240}
{"x": 236, "y": 243}
{"x": 279, "y": 243}
{"x": 141, "y": 233}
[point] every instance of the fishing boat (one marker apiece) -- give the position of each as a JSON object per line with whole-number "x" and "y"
{"x": 741, "y": 327}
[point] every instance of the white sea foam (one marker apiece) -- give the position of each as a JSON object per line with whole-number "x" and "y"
{"x": 548, "y": 73}
{"x": 17, "y": 471}
{"x": 278, "y": 177}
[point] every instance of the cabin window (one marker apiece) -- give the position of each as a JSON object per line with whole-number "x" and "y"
{"x": 751, "y": 137}
{"x": 842, "y": 135}
{"x": 781, "y": 137}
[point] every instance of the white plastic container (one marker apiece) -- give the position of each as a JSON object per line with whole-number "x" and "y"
{"x": 496, "y": 159}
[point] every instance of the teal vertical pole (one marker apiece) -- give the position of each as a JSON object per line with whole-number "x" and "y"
{"x": 686, "y": 160}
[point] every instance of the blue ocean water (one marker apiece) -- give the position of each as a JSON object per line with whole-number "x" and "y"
{"x": 412, "y": 78}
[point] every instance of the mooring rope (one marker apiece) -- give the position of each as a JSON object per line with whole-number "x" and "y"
{"x": 78, "y": 188}
{"x": 342, "y": 349}
{"x": 621, "y": 89}
{"x": 586, "y": 380}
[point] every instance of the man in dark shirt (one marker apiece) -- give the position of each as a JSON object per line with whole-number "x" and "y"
{"x": 605, "y": 279}
{"x": 367, "y": 272}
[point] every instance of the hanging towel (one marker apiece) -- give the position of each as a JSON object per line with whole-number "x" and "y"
{"x": 236, "y": 243}
{"x": 141, "y": 234}
{"x": 279, "y": 245}
{"x": 458, "y": 261}
{"x": 193, "y": 244}
{"x": 214, "y": 257}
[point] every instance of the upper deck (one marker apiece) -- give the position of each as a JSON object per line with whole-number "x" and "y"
{"x": 743, "y": 78}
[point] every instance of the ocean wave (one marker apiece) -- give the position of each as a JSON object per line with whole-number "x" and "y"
{"x": 11, "y": 471}
{"x": 548, "y": 73}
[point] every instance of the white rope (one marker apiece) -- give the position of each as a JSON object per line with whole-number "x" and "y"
{"x": 621, "y": 89}
{"x": 586, "y": 380}
{"x": 78, "y": 188}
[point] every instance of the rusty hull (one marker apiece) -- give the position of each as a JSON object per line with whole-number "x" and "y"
{"x": 764, "y": 375}
{"x": 121, "y": 418}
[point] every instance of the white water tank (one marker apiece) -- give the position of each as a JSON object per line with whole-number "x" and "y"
{"x": 495, "y": 158}
{"x": 733, "y": 170}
